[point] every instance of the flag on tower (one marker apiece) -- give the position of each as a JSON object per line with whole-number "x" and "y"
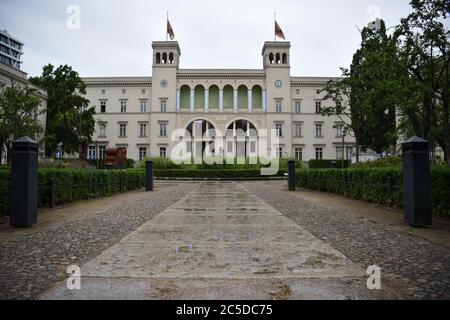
{"x": 170, "y": 30}
{"x": 278, "y": 32}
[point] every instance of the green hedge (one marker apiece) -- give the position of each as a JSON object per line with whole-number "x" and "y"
{"x": 327, "y": 164}
{"x": 162, "y": 163}
{"x": 76, "y": 184}
{"x": 378, "y": 185}
{"x": 212, "y": 173}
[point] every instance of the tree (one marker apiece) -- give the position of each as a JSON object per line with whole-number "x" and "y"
{"x": 70, "y": 123}
{"x": 425, "y": 55}
{"x": 365, "y": 98}
{"x": 19, "y": 110}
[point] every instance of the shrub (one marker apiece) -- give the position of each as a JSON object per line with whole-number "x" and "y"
{"x": 380, "y": 163}
{"x": 4, "y": 189}
{"x": 327, "y": 164}
{"x": 378, "y": 185}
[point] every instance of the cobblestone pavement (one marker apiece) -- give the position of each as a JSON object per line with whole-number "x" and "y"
{"x": 34, "y": 258}
{"x": 421, "y": 266}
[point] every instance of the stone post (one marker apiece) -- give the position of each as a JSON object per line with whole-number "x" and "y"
{"x": 417, "y": 182}
{"x": 24, "y": 179}
{"x": 291, "y": 175}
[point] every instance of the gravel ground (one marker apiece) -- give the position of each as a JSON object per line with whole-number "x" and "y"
{"x": 32, "y": 260}
{"x": 422, "y": 267}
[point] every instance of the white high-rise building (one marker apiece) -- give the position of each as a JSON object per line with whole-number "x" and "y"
{"x": 141, "y": 113}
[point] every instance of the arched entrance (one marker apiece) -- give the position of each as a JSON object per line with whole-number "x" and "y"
{"x": 242, "y": 140}
{"x": 200, "y": 138}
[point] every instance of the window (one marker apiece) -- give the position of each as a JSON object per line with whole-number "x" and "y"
{"x": 142, "y": 129}
{"x": 339, "y": 130}
{"x": 143, "y": 91}
{"x": 318, "y": 107}
{"x": 297, "y": 91}
{"x": 278, "y": 106}
{"x": 252, "y": 147}
{"x": 103, "y": 91}
{"x": 162, "y": 152}
{"x": 298, "y": 153}
{"x": 280, "y": 152}
{"x": 298, "y": 130}
{"x": 102, "y": 130}
{"x": 279, "y": 129}
{"x": 122, "y": 130}
{"x": 163, "y": 103}
{"x": 91, "y": 153}
{"x": 124, "y": 91}
{"x": 101, "y": 152}
{"x": 339, "y": 153}
{"x": 143, "y": 105}
{"x": 297, "y": 106}
{"x": 348, "y": 153}
{"x": 319, "y": 130}
{"x": 319, "y": 153}
{"x": 102, "y": 106}
{"x": 142, "y": 153}
{"x": 230, "y": 146}
{"x": 123, "y": 106}
{"x": 163, "y": 129}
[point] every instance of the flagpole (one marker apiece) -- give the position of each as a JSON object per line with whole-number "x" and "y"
{"x": 274, "y": 22}
{"x": 167, "y": 21}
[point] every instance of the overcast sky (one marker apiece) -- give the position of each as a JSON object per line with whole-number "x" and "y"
{"x": 114, "y": 38}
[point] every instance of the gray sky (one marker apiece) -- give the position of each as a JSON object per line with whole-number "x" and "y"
{"x": 115, "y": 35}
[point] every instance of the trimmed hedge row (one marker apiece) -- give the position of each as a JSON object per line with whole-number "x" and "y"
{"x": 378, "y": 185}
{"x": 76, "y": 184}
{"x": 212, "y": 173}
{"x": 327, "y": 164}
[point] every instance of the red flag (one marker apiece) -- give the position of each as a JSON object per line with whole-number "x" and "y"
{"x": 278, "y": 32}
{"x": 170, "y": 30}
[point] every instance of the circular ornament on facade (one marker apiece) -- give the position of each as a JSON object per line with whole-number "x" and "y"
{"x": 163, "y": 83}
{"x": 278, "y": 83}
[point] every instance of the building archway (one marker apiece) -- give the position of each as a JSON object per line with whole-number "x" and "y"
{"x": 242, "y": 97}
{"x": 241, "y": 139}
{"x": 185, "y": 97}
{"x": 214, "y": 99}
{"x": 199, "y": 95}
{"x": 257, "y": 97}
{"x": 228, "y": 97}
{"x": 200, "y": 138}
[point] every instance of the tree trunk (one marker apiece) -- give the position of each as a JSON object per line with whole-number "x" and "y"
{"x": 2, "y": 144}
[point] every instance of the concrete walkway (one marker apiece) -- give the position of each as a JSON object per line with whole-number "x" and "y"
{"x": 220, "y": 242}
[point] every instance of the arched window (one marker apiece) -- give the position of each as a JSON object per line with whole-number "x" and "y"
{"x": 185, "y": 97}
{"x": 257, "y": 97}
{"x": 277, "y": 59}
{"x": 158, "y": 58}
{"x": 228, "y": 97}
{"x": 164, "y": 57}
{"x": 284, "y": 58}
{"x": 242, "y": 97}
{"x": 214, "y": 99}
{"x": 241, "y": 140}
{"x": 199, "y": 102}
{"x": 171, "y": 57}
{"x": 271, "y": 58}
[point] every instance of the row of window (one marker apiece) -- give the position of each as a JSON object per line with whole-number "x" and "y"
{"x": 163, "y": 130}
{"x": 99, "y": 151}
{"x": 298, "y": 153}
{"x": 298, "y": 130}
{"x": 163, "y": 106}
{"x": 124, "y": 91}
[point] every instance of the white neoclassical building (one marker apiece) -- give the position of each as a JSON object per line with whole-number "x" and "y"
{"x": 141, "y": 113}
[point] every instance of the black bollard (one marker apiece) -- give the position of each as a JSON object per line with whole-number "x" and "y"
{"x": 149, "y": 175}
{"x": 24, "y": 179}
{"x": 417, "y": 182}
{"x": 291, "y": 175}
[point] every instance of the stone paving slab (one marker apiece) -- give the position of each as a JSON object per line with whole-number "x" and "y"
{"x": 221, "y": 289}
{"x": 151, "y": 257}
